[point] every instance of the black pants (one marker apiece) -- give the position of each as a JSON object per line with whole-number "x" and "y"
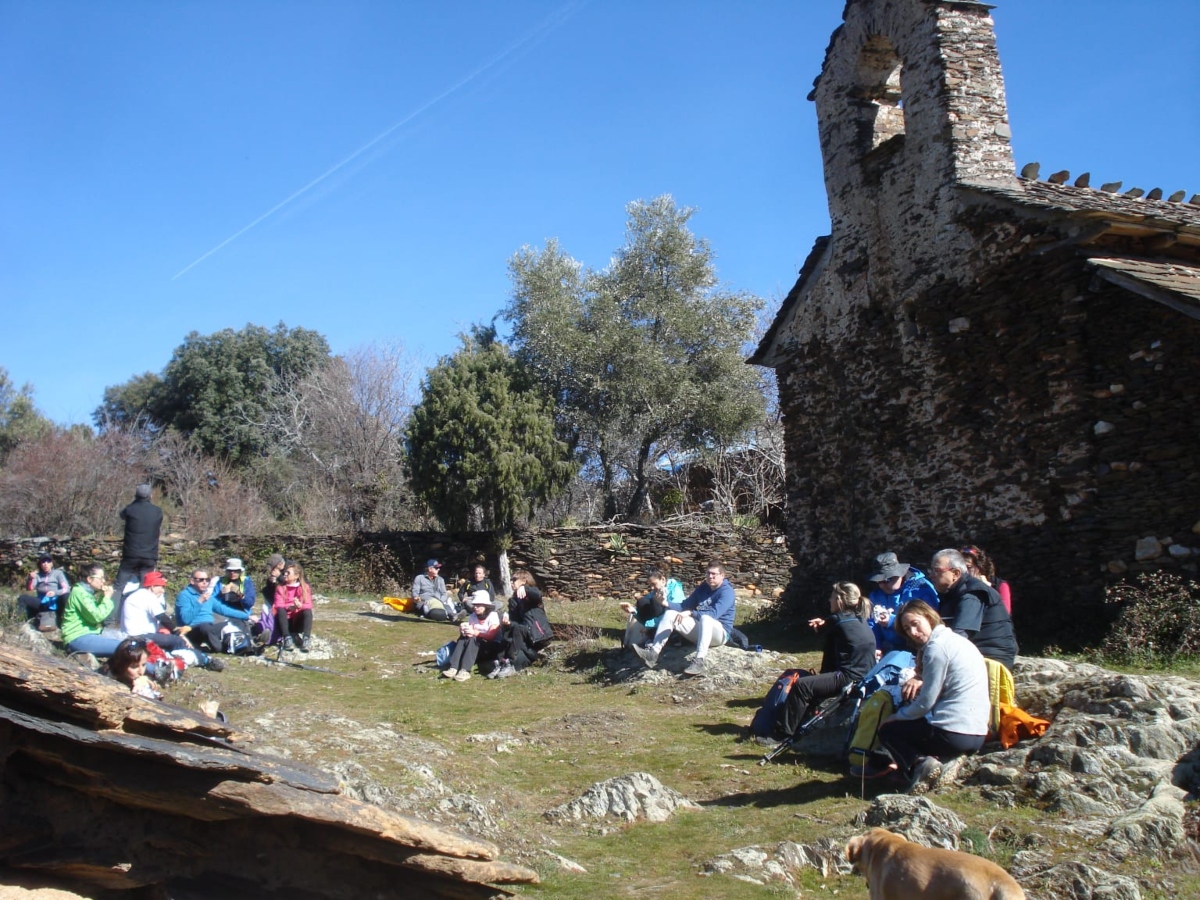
{"x": 804, "y": 696}
{"x": 909, "y": 740}
{"x": 206, "y": 634}
{"x": 303, "y": 621}
{"x": 437, "y": 614}
{"x": 517, "y": 648}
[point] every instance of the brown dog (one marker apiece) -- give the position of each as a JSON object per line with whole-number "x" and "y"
{"x": 897, "y": 869}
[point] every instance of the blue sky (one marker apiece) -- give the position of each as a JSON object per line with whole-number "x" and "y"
{"x": 142, "y": 134}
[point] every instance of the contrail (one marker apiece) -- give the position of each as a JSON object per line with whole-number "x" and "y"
{"x": 539, "y": 31}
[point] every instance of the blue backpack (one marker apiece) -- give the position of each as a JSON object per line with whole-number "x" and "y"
{"x": 763, "y": 723}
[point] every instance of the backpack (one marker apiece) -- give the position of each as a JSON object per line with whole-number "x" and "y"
{"x": 764, "y": 721}
{"x": 235, "y": 642}
{"x": 537, "y": 627}
{"x": 864, "y": 740}
{"x": 443, "y": 654}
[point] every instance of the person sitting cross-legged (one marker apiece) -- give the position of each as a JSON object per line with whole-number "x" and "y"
{"x": 705, "y": 619}
{"x": 197, "y": 607}
{"x": 144, "y": 615}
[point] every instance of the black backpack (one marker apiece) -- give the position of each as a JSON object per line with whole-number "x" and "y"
{"x": 537, "y": 627}
{"x": 764, "y": 721}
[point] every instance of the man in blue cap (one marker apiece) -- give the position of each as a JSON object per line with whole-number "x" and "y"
{"x": 429, "y": 590}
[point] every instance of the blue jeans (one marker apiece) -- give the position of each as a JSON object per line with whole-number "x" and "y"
{"x": 95, "y": 644}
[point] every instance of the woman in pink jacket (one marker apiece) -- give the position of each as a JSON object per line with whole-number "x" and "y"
{"x": 293, "y": 609}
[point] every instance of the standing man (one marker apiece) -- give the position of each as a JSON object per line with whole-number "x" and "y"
{"x": 139, "y": 551}
{"x": 972, "y": 608}
{"x": 705, "y": 619}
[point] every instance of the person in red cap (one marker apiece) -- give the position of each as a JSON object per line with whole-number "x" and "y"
{"x": 144, "y": 615}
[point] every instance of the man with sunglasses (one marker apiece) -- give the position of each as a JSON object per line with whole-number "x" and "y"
{"x": 145, "y": 612}
{"x": 197, "y": 607}
{"x": 972, "y": 608}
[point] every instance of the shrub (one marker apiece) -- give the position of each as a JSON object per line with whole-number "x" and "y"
{"x": 1158, "y": 620}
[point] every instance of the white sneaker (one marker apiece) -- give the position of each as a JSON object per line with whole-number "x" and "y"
{"x": 449, "y": 673}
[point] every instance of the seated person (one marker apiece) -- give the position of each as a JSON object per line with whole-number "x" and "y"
{"x": 705, "y": 618}
{"x": 526, "y": 628}
{"x": 482, "y": 625}
{"x": 948, "y": 715}
{"x": 430, "y": 593}
{"x": 849, "y": 655}
{"x": 665, "y": 593}
{"x": 896, "y": 583}
{"x": 981, "y": 566}
{"x": 480, "y": 582}
{"x": 88, "y": 605}
{"x": 235, "y": 589}
{"x": 144, "y": 613}
{"x": 197, "y": 608}
{"x": 973, "y": 608}
{"x": 294, "y": 609}
{"x": 46, "y": 588}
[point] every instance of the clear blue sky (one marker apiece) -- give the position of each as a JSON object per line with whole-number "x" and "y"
{"x": 139, "y": 135}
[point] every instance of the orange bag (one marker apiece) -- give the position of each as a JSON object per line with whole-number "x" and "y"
{"x": 1016, "y": 725}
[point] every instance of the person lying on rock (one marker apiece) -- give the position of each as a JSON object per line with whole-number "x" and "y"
{"x": 526, "y": 630}
{"x": 896, "y": 583}
{"x": 482, "y": 625}
{"x": 849, "y": 655}
{"x": 948, "y": 716}
{"x": 705, "y": 618}
{"x": 128, "y": 666}
{"x": 665, "y": 593}
{"x": 973, "y": 608}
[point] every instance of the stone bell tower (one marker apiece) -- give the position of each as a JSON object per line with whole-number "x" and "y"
{"x": 910, "y": 101}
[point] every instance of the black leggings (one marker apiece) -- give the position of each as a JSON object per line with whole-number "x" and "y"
{"x": 805, "y": 694}
{"x": 302, "y": 619}
{"x": 907, "y": 740}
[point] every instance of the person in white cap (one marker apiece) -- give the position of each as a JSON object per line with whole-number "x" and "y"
{"x": 482, "y": 625}
{"x": 236, "y": 589}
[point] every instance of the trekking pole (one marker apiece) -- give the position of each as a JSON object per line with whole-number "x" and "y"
{"x": 830, "y": 706}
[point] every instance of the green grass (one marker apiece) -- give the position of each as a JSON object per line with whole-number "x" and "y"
{"x": 568, "y": 727}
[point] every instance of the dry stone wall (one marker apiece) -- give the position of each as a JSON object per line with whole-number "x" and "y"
{"x": 569, "y": 563}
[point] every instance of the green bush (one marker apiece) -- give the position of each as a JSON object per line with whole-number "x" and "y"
{"x": 1158, "y": 620}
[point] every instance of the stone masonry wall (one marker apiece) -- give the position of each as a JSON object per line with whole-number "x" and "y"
{"x": 569, "y": 563}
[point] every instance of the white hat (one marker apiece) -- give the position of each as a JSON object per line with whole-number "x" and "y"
{"x": 481, "y": 598}
{"x": 233, "y": 564}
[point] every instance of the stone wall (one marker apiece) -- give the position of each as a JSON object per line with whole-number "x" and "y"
{"x": 570, "y": 563}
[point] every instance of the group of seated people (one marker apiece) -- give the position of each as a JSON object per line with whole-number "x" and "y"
{"x": 953, "y": 620}
{"x": 500, "y": 644}
{"x": 207, "y": 610}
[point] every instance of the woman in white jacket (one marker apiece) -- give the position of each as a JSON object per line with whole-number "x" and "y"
{"x": 949, "y": 715}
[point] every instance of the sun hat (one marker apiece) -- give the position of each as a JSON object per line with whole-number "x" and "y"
{"x": 233, "y": 564}
{"x": 887, "y": 566}
{"x": 481, "y": 598}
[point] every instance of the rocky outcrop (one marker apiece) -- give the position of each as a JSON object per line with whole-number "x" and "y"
{"x": 627, "y": 797}
{"x": 117, "y": 792}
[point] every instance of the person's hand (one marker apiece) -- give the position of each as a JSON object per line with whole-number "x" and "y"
{"x": 464, "y": 629}
{"x": 911, "y": 688}
{"x": 182, "y": 630}
{"x": 687, "y": 614}
{"x": 108, "y": 591}
{"x": 878, "y": 654}
{"x": 504, "y": 619}
{"x": 627, "y": 607}
{"x": 520, "y": 592}
{"x": 816, "y": 623}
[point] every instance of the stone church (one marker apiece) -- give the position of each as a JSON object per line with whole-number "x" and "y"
{"x": 974, "y": 355}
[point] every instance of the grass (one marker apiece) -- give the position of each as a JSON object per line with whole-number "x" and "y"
{"x": 522, "y": 745}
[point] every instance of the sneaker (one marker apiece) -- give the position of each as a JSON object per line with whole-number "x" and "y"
{"x": 769, "y": 743}
{"x": 463, "y": 675}
{"x": 648, "y": 655}
{"x": 288, "y": 643}
{"x": 497, "y": 668}
{"x": 695, "y": 668}
{"x": 449, "y": 673}
{"x": 164, "y": 673}
{"x": 302, "y": 641}
{"x": 214, "y": 665}
{"x": 871, "y": 770}
{"x": 925, "y": 774}
{"x": 506, "y": 671}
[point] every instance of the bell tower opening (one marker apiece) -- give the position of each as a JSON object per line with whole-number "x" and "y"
{"x": 879, "y": 91}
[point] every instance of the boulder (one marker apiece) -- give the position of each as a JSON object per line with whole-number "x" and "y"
{"x": 628, "y": 797}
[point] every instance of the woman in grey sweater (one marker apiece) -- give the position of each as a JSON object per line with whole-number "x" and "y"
{"x": 949, "y": 715}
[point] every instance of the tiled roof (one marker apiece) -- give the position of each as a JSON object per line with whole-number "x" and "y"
{"x": 1169, "y": 283}
{"x": 1093, "y": 203}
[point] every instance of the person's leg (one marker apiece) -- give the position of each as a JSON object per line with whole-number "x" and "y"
{"x": 906, "y": 741}
{"x": 803, "y": 698}
{"x": 946, "y": 745}
{"x": 668, "y": 622}
{"x": 456, "y": 655}
{"x": 437, "y": 614}
{"x": 95, "y": 644}
{"x": 281, "y": 629}
{"x": 32, "y": 604}
{"x": 470, "y": 654}
{"x": 206, "y": 634}
{"x": 711, "y": 633}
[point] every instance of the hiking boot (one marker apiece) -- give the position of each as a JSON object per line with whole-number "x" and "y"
{"x": 506, "y": 671}
{"x": 463, "y": 675}
{"x": 872, "y": 770}
{"x": 449, "y": 673}
{"x": 925, "y": 774}
{"x": 648, "y": 655}
{"x": 288, "y": 643}
{"x": 302, "y": 641}
{"x": 696, "y": 667}
{"x": 214, "y": 665}
{"x": 164, "y": 673}
{"x": 767, "y": 742}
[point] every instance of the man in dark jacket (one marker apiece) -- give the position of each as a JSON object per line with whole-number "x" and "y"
{"x": 139, "y": 551}
{"x": 972, "y": 608}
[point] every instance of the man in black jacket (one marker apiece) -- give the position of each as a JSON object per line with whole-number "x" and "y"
{"x": 139, "y": 551}
{"x": 972, "y": 608}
